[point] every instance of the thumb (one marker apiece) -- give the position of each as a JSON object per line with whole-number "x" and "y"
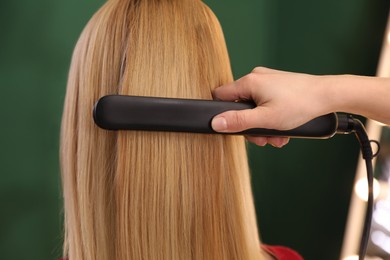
{"x": 237, "y": 121}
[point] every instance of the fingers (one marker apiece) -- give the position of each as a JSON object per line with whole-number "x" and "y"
{"x": 259, "y": 141}
{"x": 249, "y": 87}
{"x": 242, "y": 88}
{"x": 237, "y": 90}
{"x": 237, "y": 121}
{"x": 278, "y": 142}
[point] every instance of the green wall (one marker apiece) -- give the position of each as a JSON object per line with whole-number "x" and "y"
{"x": 301, "y": 191}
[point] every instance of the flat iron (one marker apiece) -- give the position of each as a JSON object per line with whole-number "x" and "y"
{"x": 116, "y": 112}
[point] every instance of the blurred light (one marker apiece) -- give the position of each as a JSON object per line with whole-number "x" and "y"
{"x": 356, "y": 257}
{"x": 381, "y": 240}
{"x": 382, "y": 214}
{"x": 388, "y": 38}
{"x": 361, "y": 189}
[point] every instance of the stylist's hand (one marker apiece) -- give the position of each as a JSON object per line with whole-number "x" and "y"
{"x": 284, "y": 101}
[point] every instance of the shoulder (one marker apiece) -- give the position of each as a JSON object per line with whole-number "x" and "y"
{"x": 282, "y": 253}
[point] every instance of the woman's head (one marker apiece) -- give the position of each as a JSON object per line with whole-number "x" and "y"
{"x": 152, "y": 195}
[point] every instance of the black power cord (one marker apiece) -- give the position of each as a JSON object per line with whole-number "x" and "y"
{"x": 348, "y": 124}
{"x": 365, "y": 146}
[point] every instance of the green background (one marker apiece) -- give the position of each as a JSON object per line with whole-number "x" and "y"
{"x": 302, "y": 191}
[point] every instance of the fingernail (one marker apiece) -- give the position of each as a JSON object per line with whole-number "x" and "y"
{"x": 276, "y": 145}
{"x": 219, "y": 124}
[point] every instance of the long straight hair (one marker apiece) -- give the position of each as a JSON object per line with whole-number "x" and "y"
{"x": 152, "y": 195}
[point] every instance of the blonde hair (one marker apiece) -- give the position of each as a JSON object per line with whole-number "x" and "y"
{"x": 152, "y": 195}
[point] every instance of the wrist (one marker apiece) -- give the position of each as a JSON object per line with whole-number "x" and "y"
{"x": 336, "y": 92}
{"x": 327, "y": 94}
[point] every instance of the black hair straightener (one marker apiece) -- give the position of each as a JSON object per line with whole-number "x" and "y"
{"x": 190, "y": 115}
{"x": 115, "y": 112}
